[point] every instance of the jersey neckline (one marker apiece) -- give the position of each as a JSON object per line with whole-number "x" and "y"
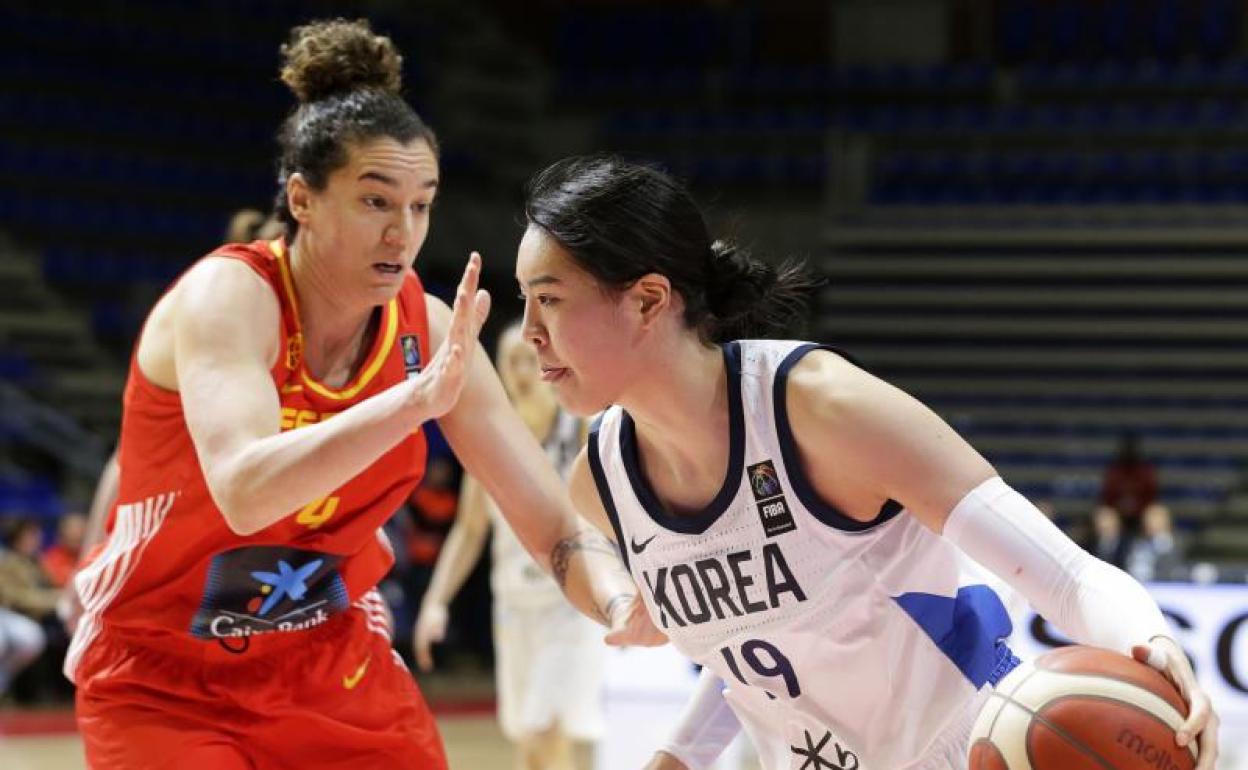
{"x": 386, "y": 334}
{"x": 695, "y": 523}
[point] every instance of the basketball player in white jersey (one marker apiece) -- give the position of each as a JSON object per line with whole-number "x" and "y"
{"x": 810, "y": 534}
{"x": 548, "y": 657}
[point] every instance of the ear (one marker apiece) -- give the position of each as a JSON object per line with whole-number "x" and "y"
{"x": 651, "y": 294}
{"x": 298, "y": 197}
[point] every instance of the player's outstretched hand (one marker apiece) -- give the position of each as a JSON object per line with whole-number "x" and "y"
{"x": 631, "y": 626}
{"x": 1165, "y": 655}
{"x": 430, "y": 629}
{"x": 439, "y": 385}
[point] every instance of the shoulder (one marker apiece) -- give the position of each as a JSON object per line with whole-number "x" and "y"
{"x": 217, "y": 282}
{"x": 225, "y": 303}
{"x": 825, "y": 386}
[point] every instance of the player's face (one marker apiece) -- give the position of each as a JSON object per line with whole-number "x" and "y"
{"x": 370, "y": 221}
{"x": 579, "y": 331}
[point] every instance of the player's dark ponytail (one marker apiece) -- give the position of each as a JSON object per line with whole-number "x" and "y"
{"x": 623, "y": 220}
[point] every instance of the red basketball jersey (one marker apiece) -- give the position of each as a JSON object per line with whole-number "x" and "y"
{"x": 171, "y": 573}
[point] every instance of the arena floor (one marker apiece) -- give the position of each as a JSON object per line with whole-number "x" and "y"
{"x": 471, "y": 742}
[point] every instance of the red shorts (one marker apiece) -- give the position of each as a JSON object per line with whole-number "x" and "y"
{"x": 336, "y": 696}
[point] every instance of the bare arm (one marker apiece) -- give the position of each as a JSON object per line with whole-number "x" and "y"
{"x": 876, "y": 443}
{"x": 458, "y": 556}
{"x": 106, "y": 490}
{"x": 224, "y": 337}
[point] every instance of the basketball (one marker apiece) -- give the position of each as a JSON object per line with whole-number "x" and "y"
{"x": 1081, "y": 708}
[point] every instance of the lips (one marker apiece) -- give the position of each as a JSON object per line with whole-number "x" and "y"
{"x": 389, "y": 268}
{"x": 553, "y": 373}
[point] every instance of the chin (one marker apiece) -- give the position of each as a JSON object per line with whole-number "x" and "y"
{"x": 580, "y": 404}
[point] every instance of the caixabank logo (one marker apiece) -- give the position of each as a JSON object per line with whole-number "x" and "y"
{"x": 266, "y": 589}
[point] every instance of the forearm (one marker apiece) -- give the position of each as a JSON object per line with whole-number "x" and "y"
{"x": 267, "y": 479}
{"x": 102, "y": 502}
{"x": 1091, "y": 601}
{"x": 707, "y": 726}
{"x": 588, "y": 569}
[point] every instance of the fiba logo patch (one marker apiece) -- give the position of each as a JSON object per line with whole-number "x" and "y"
{"x": 773, "y": 510}
{"x": 410, "y": 343}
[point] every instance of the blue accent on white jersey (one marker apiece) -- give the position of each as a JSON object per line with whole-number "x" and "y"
{"x": 970, "y": 628}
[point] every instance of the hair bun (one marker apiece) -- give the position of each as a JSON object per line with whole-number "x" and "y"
{"x": 330, "y": 57}
{"x": 736, "y": 279}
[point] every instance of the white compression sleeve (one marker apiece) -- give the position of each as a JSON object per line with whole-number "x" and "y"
{"x": 1091, "y": 601}
{"x": 707, "y": 726}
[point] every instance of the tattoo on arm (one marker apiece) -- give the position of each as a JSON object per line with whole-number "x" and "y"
{"x": 561, "y": 554}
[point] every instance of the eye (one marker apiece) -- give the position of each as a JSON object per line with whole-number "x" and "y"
{"x": 546, "y": 300}
{"x": 374, "y": 201}
{"x": 421, "y": 208}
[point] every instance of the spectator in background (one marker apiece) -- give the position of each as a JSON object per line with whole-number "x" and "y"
{"x": 247, "y": 225}
{"x": 28, "y": 623}
{"x": 1107, "y": 541}
{"x": 61, "y": 559}
{"x": 24, "y": 587}
{"x": 1130, "y": 484}
{"x": 1158, "y": 553}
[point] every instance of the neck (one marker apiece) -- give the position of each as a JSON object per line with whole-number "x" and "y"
{"x": 682, "y": 418}
{"x": 333, "y": 328}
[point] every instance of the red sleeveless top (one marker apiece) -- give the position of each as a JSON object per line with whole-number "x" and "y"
{"x": 171, "y": 571}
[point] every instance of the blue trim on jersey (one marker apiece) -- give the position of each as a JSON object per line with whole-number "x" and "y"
{"x": 970, "y": 630}
{"x": 818, "y": 507}
{"x": 693, "y": 524}
{"x": 604, "y": 488}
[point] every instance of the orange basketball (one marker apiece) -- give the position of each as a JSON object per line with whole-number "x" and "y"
{"x": 1081, "y": 708}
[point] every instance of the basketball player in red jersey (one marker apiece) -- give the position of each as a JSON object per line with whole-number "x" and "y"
{"x": 231, "y": 620}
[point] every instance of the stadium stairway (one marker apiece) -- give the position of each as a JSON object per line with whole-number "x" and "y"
{"x": 1043, "y": 349}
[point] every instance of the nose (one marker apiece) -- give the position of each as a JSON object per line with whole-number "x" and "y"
{"x": 399, "y": 232}
{"x": 531, "y": 327}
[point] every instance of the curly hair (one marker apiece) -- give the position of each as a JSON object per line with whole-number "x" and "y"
{"x": 348, "y": 81}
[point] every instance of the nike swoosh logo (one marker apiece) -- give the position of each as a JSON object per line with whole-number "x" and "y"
{"x": 350, "y": 682}
{"x": 637, "y": 548}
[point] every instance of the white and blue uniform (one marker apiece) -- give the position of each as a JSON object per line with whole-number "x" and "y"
{"x": 867, "y": 645}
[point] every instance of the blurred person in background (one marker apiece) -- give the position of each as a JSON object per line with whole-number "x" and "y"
{"x": 548, "y": 658}
{"x": 247, "y": 225}
{"x": 1107, "y": 541}
{"x": 231, "y": 618}
{"x": 1158, "y": 552}
{"x": 26, "y": 592}
{"x": 1129, "y": 485}
{"x": 24, "y": 586}
{"x": 61, "y": 558}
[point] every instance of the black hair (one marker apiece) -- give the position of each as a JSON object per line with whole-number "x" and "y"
{"x": 621, "y": 220}
{"x": 347, "y": 80}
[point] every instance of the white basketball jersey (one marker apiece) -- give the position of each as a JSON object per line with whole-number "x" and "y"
{"x": 515, "y": 578}
{"x": 854, "y": 643}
